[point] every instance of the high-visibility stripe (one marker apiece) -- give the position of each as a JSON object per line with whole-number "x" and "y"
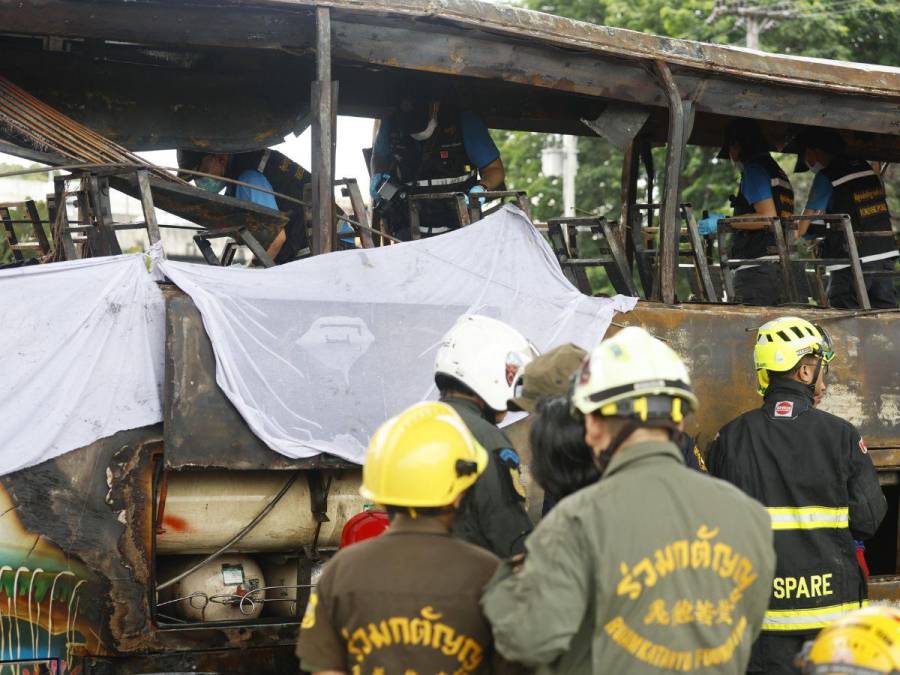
{"x": 808, "y": 517}
{"x": 852, "y": 176}
{"x": 762, "y": 257}
{"x": 874, "y": 257}
{"x": 433, "y": 182}
{"x": 781, "y": 182}
{"x": 806, "y": 619}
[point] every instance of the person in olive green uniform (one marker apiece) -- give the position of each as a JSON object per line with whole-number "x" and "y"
{"x": 656, "y": 568}
{"x": 476, "y": 368}
{"x": 407, "y": 601}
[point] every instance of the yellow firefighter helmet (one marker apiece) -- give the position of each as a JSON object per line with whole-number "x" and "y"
{"x": 862, "y": 642}
{"x": 782, "y": 342}
{"x": 424, "y": 457}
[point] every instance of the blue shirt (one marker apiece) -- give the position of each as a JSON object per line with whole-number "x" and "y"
{"x": 479, "y": 145}
{"x": 249, "y": 195}
{"x": 820, "y": 193}
{"x": 756, "y": 184}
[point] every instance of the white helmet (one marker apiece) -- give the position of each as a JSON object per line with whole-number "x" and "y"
{"x": 486, "y": 355}
{"x": 634, "y": 375}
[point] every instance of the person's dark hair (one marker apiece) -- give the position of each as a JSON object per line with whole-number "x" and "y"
{"x": 561, "y": 462}
{"x": 746, "y": 134}
{"x": 447, "y": 384}
{"x": 425, "y": 512}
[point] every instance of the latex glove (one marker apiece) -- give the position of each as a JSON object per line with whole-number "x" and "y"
{"x": 709, "y": 225}
{"x": 475, "y": 190}
{"x": 376, "y": 182}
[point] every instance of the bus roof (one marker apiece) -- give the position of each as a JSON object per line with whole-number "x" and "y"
{"x": 235, "y": 75}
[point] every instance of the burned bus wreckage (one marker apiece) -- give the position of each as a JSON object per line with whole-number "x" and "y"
{"x": 190, "y": 543}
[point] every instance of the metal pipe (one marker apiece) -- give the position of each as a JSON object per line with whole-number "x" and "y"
{"x": 236, "y": 538}
{"x": 669, "y": 225}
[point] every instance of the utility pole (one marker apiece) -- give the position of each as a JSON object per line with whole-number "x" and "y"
{"x": 756, "y": 20}
{"x": 570, "y": 171}
{"x": 560, "y": 159}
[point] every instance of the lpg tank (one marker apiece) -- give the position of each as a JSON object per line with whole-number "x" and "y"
{"x": 204, "y": 509}
{"x": 228, "y": 588}
{"x": 282, "y": 579}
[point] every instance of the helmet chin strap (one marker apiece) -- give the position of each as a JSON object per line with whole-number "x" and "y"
{"x": 605, "y": 456}
{"x": 815, "y": 378}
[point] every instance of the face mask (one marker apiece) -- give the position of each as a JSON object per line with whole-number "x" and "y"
{"x": 210, "y": 184}
{"x": 816, "y": 167}
{"x": 427, "y": 132}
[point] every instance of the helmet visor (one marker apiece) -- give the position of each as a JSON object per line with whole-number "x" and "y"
{"x": 827, "y": 344}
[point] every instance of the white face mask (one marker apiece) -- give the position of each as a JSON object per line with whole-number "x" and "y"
{"x": 816, "y": 167}
{"x": 426, "y": 133}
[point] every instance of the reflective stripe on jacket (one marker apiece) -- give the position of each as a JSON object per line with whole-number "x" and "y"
{"x": 812, "y": 472}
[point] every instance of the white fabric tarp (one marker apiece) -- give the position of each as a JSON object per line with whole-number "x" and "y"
{"x": 317, "y": 353}
{"x": 81, "y": 355}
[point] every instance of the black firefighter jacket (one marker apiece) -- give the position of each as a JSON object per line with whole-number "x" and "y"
{"x": 812, "y": 471}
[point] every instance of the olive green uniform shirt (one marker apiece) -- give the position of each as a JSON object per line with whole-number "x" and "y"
{"x": 492, "y": 514}
{"x": 405, "y": 602}
{"x": 656, "y": 568}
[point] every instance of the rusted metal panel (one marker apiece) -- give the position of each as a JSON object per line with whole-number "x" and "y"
{"x": 202, "y": 427}
{"x": 716, "y": 342}
{"x": 885, "y": 589}
{"x": 276, "y": 23}
{"x": 161, "y": 97}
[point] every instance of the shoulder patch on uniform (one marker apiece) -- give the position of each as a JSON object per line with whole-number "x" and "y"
{"x": 784, "y": 409}
{"x": 699, "y": 457}
{"x": 862, "y": 447}
{"x": 509, "y": 457}
{"x": 309, "y": 616}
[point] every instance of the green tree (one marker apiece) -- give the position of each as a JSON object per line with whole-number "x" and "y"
{"x": 863, "y": 30}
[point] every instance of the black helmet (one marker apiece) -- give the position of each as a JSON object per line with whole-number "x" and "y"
{"x": 819, "y": 138}
{"x": 747, "y": 134}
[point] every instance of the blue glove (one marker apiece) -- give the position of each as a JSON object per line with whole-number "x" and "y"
{"x": 376, "y": 182}
{"x": 475, "y": 189}
{"x": 709, "y": 225}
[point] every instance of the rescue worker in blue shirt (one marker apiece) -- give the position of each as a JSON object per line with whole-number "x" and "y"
{"x": 766, "y": 191}
{"x": 270, "y": 170}
{"x": 431, "y": 146}
{"x": 851, "y": 186}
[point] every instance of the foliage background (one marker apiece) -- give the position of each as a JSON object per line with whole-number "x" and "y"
{"x": 853, "y": 30}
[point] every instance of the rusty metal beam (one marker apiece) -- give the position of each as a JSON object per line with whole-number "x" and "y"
{"x": 608, "y": 76}
{"x": 323, "y": 97}
{"x": 669, "y": 222}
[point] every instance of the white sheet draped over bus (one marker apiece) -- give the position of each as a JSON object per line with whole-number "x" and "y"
{"x": 81, "y": 355}
{"x": 315, "y": 354}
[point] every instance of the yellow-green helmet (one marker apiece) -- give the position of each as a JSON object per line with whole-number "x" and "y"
{"x": 782, "y": 342}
